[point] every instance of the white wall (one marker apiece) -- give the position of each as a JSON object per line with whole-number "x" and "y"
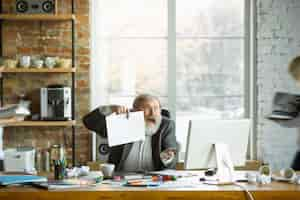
{"x": 278, "y": 41}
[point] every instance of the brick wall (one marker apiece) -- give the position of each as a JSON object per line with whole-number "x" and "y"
{"x": 52, "y": 39}
{"x": 278, "y": 42}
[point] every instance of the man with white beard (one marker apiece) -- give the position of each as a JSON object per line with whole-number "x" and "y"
{"x": 157, "y": 152}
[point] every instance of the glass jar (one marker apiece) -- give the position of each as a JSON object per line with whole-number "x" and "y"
{"x": 57, "y": 152}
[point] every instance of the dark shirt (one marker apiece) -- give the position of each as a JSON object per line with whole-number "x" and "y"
{"x": 296, "y": 162}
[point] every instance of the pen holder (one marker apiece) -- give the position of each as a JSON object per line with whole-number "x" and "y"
{"x": 59, "y": 169}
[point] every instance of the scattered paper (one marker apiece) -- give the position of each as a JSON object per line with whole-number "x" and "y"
{"x": 177, "y": 173}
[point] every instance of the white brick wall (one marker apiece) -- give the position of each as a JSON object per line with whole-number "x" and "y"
{"x": 278, "y": 41}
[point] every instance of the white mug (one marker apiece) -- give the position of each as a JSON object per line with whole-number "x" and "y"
{"x": 38, "y": 63}
{"x": 50, "y": 62}
{"x": 251, "y": 177}
{"x": 107, "y": 169}
{"x": 288, "y": 173}
{"x": 25, "y": 61}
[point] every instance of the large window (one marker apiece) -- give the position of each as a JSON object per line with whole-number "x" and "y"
{"x": 210, "y": 58}
{"x": 133, "y": 55}
{"x": 132, "y": 41}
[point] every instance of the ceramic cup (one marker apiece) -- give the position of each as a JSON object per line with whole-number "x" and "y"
{"x": 288, "y": 173}
{"x": 1, "y": 61}
{"x": 64, "y": 63}
{"x": 25, "y": 61}
{"x": 107, "y": 169}
{"x": 251, "y": 177}
{"x": 10, "y": 63}
{"x": 50, "y": 62}
{"x": 38, "y": 63}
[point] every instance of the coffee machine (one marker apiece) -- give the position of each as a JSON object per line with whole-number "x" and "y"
{"x": 56, "y": 103}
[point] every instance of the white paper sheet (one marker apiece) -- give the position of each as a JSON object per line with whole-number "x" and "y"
{"x": 122, "y": 130}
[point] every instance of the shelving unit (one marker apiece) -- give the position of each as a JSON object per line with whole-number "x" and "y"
{"x": 72, "y": 71}
{"x": 35, "y": 70}
{"x": 13, "y": 122}
{"x": 42, "y": 123}
{"x": 28, "y": 17}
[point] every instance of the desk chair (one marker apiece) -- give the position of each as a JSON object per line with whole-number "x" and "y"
{"x": 165, "y": 113}
{"x": 103, "y": 148}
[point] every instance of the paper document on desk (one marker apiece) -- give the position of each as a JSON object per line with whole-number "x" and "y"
{"x": 177, "y": 173}
{"x": 122, "y": 129}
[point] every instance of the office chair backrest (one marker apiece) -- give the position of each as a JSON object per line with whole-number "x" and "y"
{"x": 165, "y": 113}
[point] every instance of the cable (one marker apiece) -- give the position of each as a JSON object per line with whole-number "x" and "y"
{"x": 249, "y": 195}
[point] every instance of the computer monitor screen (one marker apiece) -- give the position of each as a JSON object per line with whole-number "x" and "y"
{"x": 203, "y": 134}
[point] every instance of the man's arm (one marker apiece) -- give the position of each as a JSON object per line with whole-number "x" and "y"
{"x": 95, "y": 120}
{"x": 169, "y": 145}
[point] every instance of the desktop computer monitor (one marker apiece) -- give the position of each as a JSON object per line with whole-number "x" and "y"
{"x": 203, "y": 134}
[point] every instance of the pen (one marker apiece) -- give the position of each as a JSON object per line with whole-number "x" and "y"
{"x": 164, "y": 178}
{"x": 141, "y": 184}
{"x": 134, "y": 181}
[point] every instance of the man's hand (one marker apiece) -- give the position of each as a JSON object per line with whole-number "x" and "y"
{"x": 167, "y": 155}
{"x": 119, "y": 109}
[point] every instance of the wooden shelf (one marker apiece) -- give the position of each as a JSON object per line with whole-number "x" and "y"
{"x": 41, "y": 123}
{"x": 35, "y": 70}
{"x": 11, "y": 18}
{"x": 36, "y": 17}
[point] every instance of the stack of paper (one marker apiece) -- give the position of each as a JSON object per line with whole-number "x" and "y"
{"x": 66, "y": 184}
{"x": 129, "y": 175}
{"x": 15, "y": 110}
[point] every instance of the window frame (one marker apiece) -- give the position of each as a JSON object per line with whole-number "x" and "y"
{"x": 250, "y": 91}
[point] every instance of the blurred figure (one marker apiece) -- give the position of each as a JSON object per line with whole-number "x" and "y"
{"x": 294, "y": 71}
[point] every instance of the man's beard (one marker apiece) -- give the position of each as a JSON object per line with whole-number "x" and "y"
{"x": 153, "y": 128}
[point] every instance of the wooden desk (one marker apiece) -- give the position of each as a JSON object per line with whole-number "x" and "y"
{"x": 273, "y": 191}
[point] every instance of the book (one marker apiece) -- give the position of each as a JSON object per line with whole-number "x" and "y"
{"x": 20, "y": 179}
{"x": 285, "y": 106}
{"x": 64, "y": 184}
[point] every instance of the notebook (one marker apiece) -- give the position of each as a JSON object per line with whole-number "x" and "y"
{"x": 57, "y": 185}
{"x": 20, "y": 179}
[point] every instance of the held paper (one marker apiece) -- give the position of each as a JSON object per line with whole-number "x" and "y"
{"x": 122, "y": 130}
